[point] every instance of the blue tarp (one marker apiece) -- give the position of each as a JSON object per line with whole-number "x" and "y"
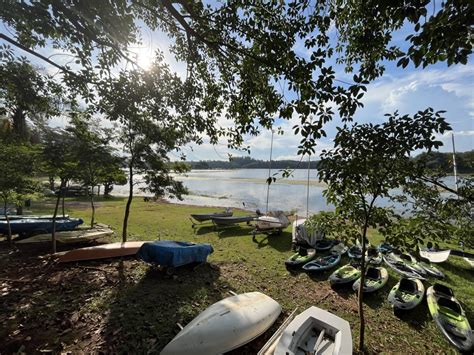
{"x": 173, "y": 253}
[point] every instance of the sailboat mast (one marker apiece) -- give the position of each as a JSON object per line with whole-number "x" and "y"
{"x": 269, "y": 171}
{"x": 307, "y": 187}
{"x": 454, "y": 164}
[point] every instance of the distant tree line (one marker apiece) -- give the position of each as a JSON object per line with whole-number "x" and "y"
{"x": 250, "y": 163}
{"x": 442, "y": 162}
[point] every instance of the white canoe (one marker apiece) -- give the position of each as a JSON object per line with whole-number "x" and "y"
{"x": 435, "y": 256}
{"x": 316, "y": 331}
{"x": 226, "y": 325}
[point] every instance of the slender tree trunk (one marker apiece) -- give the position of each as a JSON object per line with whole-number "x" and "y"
{"x": 98, "y": 190}
{"x": 129, "y": 202}
{"x": 9, "y": 236}
{"x": 62, "y": 200}
{"x": 93, "y": 207}
{"x": 362, "y": 282}
{"x": 53, "y": 234}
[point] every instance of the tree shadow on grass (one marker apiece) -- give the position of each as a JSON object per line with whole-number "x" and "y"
{"x": 280, "y": 242}
{"x": 416, "y": 318}
{"x": 143, "y": 315}
{"x": 345, "y": 291}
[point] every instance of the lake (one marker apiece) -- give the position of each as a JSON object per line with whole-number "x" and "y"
{"x": 247, "y": 188}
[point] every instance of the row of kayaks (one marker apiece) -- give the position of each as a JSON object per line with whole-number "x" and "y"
{"x": 235, "y": 321}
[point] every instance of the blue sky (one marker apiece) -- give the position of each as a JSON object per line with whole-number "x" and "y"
{"x": 406, "y": 90}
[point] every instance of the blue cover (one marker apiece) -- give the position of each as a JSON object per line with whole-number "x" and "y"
{"x": 173, "y": 253}
{"x": 30, "y": 226}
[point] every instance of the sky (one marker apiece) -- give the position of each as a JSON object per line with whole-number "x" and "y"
{"x": 406, "y": 90}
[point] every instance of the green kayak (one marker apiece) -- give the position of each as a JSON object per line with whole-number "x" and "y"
{"x": 406, "y": 294}
{"x": 344, "y": 275}
{"x": 450, "y": 317}
{"x": 375, "y": 279}
{"x": 302, "y": 257}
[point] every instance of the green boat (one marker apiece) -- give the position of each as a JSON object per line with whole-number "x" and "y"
{"x": 344, "y": 275}
{"x": 302, "y": 257}
{"x": 406, "y": 294}
{"x": 375, "y": 279}
{"x": 450, "y": 317}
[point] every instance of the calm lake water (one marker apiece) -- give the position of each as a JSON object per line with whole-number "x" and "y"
{"x": 247, "y": 188}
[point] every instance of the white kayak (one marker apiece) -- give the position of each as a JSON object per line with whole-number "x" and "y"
{"x": 435, "y": 256}
{"x": 316, "y": 331}
{"x": 226, "y": 325}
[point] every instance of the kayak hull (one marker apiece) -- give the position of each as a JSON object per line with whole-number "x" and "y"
{"x": 344, "y": 275}
{"x": 372, "y": 284}
{"x": 112, "y": 250}
{"x": 323, "y": 263}
{"x": 297, "y": 259}
{"x": 226, "y": 325}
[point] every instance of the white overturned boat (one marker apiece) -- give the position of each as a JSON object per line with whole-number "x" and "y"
{"x": 272, "y": 221}
{"x": 435, "y": 256}
{"x": 226, "y": 325}
{"x": 315, "y": 331}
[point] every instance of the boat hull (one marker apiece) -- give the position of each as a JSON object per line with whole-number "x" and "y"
{"x": 112, "y": 250}
{"x": 435, "y": 256}
{"x": 226, "y": 325}
{"x": 404, "y": 299}
{"x": 36, "y": 225}
{"x": 203, "y": 217}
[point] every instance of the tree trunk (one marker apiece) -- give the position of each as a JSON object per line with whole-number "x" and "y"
{"x": 19, "y": 125}
{"x": 129, "y": 202}
{"x": 98, "y": 190}
{"x": 53, "y": 234}
{"x": 93, "y": 207}
{"x": 63, "y": 193}
{"x": 361, "y": 293}
{"x": 9, "y": 236}
{"x": 19, "y": 209}
{"x": 51, "y": 183}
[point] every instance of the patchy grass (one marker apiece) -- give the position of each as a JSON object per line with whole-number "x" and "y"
{"x": 126, "y": 306}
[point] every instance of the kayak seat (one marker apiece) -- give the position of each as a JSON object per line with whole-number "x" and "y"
{"x": 408, "y": 286}
{"x": 451, "y": 305}
{"x": 373, "y": 273}
{"x": 445, "y": 290}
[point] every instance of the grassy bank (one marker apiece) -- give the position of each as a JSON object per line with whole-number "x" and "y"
{"x": 126, "y": 306}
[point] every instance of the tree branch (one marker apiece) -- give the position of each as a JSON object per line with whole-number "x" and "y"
{"x": 36, "y": 54}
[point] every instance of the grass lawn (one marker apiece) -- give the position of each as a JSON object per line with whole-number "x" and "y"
{"x": 127, "y": 306}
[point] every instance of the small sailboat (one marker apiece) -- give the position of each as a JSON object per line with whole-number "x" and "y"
{"x": 315, "y": 331}
{"x": 226, "y": 325}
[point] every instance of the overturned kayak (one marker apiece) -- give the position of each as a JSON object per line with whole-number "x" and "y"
{"x": 406, "y": 294}
{"x": 25, "y": 216}
{"x": 375, "y": 279}
{"x": 344, "y": 275}
{"x": 450, "y": 317}
{"x": 38, "y": 225}
{"x": 315, "y": 331}
{"x": 301, "y": 258}
{"x": 203, "y": 217}
{"x": 402, "y": 268}
{"x": 435, "y": 256}
{"x": 226, "y": 325}
{"x": 104, "y": 251}
{"x": 322, "y": 263}
{"x": 173, "y": 253}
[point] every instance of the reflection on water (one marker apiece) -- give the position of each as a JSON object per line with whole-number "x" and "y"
{"x": 247, "y": 188}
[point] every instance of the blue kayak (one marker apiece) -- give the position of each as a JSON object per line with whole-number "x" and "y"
{"x": 323, "y": 263}
{"x": 35, "y": 225}
{"x": 173, "y": 253}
